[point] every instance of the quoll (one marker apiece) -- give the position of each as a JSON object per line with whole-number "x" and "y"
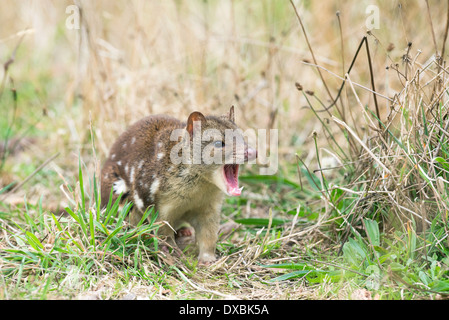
{"x": 165, "y": 162}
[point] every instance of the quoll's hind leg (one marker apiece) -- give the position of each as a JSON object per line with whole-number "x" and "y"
{"x": 185, "y": 236}
{"x": 185, "y": 231}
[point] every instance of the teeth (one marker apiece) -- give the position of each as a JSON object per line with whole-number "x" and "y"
{"x": 238, "y": 189}
{"x": 234, "y": 191}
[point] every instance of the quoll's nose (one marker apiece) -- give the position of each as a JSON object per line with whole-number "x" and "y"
{"x": 250, "y": 154}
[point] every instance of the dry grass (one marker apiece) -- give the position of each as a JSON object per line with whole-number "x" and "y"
{"x": 141, "y": 58}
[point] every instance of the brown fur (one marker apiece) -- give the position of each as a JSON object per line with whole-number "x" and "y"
{"x": 180, "y": 193}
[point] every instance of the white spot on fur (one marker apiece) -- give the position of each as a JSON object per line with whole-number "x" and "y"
{"x": 160, "y": 155}
{"x": 133, "y": 140}
{"x": 138, "y": 201}
{"x": 131, "y": 176}
{"x": 113, "y": 156}
{"x": 119, "y": 163}
{"x": 124, "y": 145}
{"x": 119, "y": 186}
{"x": 154, "y": 187}
{"x": 141, "y": 164}
{"x": 126, "y": 168}
{"x": 159, "y": 145}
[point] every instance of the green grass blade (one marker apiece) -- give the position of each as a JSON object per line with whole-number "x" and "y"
{"x": 92, "y": 229}
{"x": 145, "y": 216}
{"x": 262, "y": 221}
{"x": 112, "y": 234}
{"x": 78, "y": 218}
{"x": 111, "y": 195}
{"x": 4, "y": 189}
{"x": 372, "y": 229}
{"x": 81, "y": 182}
{"x": 269, "y": 180}
{"x": 113, "y": 210}
{"x": 124, "y": 213}
{"x": 41, "y": 215}
{"x": 58, "y": 225}
{"x": 291, "y": 275}
{"x": 28, "y": 219}
{"x": 97, "y": 199}
{"x": 34, "y": 241}
{"x": 294, "y": 266}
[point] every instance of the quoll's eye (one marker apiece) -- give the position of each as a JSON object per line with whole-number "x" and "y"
{"x": 219, "y": 144}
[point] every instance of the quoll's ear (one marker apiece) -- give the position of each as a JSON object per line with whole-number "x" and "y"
{"x": 194, "y": 116}
{"x": 231, "y": 114}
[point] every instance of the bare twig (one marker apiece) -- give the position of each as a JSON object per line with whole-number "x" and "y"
{"x": 18, "y": 186}
{"x": 431, "y": 28}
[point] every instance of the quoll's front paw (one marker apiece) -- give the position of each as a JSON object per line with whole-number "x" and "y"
{"x": 206, "y": 259}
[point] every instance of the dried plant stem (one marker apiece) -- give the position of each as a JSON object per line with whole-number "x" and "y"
{"x": 313, "y": 55}
{"x": 431, "y": 28}
{"x": 361, "y": 143}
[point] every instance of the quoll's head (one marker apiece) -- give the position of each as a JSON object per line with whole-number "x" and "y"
{"x": 217, "y": 148}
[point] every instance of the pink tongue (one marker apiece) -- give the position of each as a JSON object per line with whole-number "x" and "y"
{"x": 231, "y": 174}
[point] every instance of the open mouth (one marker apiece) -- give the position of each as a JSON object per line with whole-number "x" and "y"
{"x": 231, "y": 177}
